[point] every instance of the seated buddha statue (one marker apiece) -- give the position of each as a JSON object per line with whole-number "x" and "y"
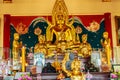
{"x": 107, "y": 48}
{"x": 40, "y": 47}
{"x": 54, "y": 34}
{"x": 74, "y": 73}
{"x": 85, "y": 47}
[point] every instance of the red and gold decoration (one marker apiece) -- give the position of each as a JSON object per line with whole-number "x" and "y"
{"x": 21, "y": 28}
{"x": 94, "y": 26}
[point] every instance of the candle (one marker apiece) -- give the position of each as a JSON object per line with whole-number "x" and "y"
{"x": 23, "y": 59}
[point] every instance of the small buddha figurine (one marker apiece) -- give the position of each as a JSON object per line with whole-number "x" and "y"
{"x": 85, "y": 47}
{"x": 74, "y": 73}
{"x": 107, "y": 48}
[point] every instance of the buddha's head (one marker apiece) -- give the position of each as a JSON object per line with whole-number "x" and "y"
{"x": 16, "y": 36}
{"x": 105, "y": 35}
{"x": 60, "y": 19}
{"x": 84, "y": 38}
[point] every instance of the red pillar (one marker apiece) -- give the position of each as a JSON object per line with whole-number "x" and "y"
{"x": 6, "y": 36}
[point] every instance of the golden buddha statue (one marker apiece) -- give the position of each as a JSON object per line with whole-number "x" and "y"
{"x": 59, "y": 28}
{"x": 85, "y": 48}
{"x": 15, "y": 47}
{"x": 60, "y": 25}
{"x": 107, "y": 48}
{"x": 40, "y": 46}
{"x": 15, "y": 51}
{"x": 74, "y": 73}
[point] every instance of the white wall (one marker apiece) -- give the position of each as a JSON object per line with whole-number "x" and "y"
{"x": 44, "y": 7}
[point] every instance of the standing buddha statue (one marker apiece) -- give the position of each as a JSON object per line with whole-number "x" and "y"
{"x": 107, "y": 48}
{"x": 15, "y": 51}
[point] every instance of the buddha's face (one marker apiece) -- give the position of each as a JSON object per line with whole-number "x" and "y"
{"x": 60, "y": 19}
{"x": 105, "y": 34}
{"x": 16, "y": 36}
{"x": 84, "y": 38}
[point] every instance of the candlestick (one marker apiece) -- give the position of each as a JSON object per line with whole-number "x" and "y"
{"x": 23, "y": 59}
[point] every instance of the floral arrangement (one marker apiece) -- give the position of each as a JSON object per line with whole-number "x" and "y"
{"x": 25, "y": 77}
{"x": 30, "y": 55}
{"x": 115, "y": 75}
{"x": 3, "y": 67}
